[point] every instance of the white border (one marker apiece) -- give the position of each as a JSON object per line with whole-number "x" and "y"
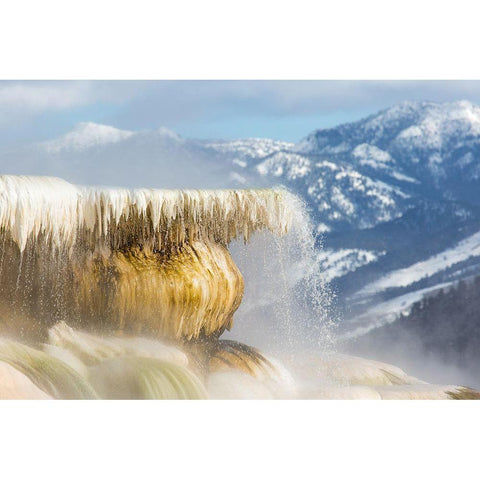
{"x": 305, "y": 39}
{"x": 239, "y": 439}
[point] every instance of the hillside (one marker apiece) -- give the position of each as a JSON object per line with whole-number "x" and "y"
{"x": 442, "y": 327}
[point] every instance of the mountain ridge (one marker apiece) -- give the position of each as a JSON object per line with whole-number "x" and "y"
{"x": 385, "y": 192}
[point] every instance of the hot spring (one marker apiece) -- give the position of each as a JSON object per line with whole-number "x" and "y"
{"x": 116, "y": 293}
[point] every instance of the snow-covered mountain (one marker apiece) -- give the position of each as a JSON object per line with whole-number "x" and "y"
{"x": 395, "y": 194}
{"x": 85, "y": 136}
{"x": 371, "y": 171}
{"x": 101, "y": 154}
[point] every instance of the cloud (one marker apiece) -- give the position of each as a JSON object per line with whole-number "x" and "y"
{"x": 138, "y": 105}
{"x": 21, "y": 101}
{"x": 189, "y": 98}
{"x": 35, "y": 110}
{"x": 35, "y": 98}
{"x": 170, "y": 102}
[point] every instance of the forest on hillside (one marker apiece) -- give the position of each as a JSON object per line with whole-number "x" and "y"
{"x": 444, "y": 326}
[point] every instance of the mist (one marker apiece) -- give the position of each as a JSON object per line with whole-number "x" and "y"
{"x": 407, "y": 351}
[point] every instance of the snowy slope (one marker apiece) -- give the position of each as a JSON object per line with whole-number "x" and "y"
{"x": 385, "y": 312}
{"x": 337, "y": 263}
{"x": 470, "y": 247}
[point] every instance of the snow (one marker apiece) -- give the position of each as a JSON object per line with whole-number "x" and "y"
{"x": 250, "y": 147}
{"x": 167, "y": 133}
{"x": 337, "y": 263}
{"x": 372, "y": 153}
{"x": 291, "y": 165}
{"x": 373, "y": 157}
{"x": 240, "y": 163}
{"x": 322, "y": 228}
{"x": 440, "y": 122}
{"x": 237, "y": 178}
{"x": 327, "y": 164}
{"x": 341, "y": 201}
{"x": 467, "y": 159}
{"x": 403, "y": 178}
{"x": 85, "y": 136}
{"x": 386, "y": 312}
{"x": 336, "y": 149}
{"x": 341, "y": 193}
{"x": 465, "y": 249}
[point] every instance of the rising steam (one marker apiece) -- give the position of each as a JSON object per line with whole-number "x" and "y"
{"x": 117, "y": 293}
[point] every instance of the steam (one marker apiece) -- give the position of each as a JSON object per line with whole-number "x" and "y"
{"x": 120, "y": 293}
{"x": 407, "y": 351}
{"x": 287, "y": 304}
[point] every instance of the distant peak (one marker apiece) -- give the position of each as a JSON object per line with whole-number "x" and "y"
{"x": 426, "y": 108}
{"x": 430, "y": 122}
{"x": 86, "y": 135}
{"x": 92, "y": 128}
{"x": 405, "y": 109}
{"x": 166, "y": 132}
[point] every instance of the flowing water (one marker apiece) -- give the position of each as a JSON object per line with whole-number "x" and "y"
{"x": 170, "y": 294}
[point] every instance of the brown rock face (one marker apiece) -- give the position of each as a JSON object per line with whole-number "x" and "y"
{"x": 137, "y": 262}
{"x": 186, "y": 293}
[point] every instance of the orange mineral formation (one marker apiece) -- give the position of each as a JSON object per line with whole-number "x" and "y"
{"x": 151, "y": 262}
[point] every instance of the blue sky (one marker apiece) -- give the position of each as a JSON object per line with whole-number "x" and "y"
{"x": 284, "y": 110}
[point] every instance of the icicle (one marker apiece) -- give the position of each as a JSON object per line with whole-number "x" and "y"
{"x": 62, "y": 213}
